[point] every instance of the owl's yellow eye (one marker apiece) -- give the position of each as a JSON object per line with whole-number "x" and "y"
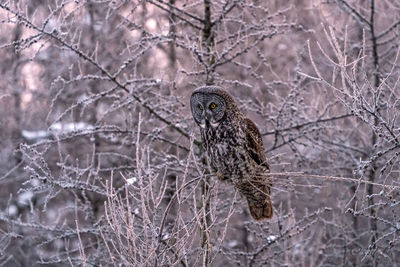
{"x": 213, "y": 105}
{"x": 200, "y": 107}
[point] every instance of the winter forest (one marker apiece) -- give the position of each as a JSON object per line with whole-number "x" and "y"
{"x": 102, "y": 164}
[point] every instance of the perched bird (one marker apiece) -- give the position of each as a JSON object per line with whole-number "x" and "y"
{"x": 234, "y": 147}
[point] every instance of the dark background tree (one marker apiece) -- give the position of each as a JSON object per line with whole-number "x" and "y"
{"x": 101, "y": 163}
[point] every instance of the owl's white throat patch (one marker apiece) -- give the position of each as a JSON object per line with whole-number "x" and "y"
{"x": 207, "y": 124}
{"x": 214, "y": 124}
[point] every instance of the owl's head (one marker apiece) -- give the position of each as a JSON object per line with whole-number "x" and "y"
{"x": 209, "y": 105}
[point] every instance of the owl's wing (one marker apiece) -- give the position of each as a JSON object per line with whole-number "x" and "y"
{"x": 255, "y": 144}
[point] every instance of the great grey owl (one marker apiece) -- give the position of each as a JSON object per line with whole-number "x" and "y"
{"x": 234, "y": 147}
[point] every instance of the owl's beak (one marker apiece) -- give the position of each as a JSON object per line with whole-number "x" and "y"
{"x": 209, "y": 122}
{"x": 207, "y": 117}
{"x": 204, "y": 122}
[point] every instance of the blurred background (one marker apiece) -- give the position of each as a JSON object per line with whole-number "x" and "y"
{"x": 101, "y": 163}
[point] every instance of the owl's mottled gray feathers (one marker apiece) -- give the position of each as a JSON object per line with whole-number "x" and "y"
{"x": 261, "y": 206}
{"x": 235, "y": 148}
{"x": 255, "y": 143}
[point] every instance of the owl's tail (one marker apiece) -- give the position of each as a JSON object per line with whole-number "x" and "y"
{"x": 261, "y": 206}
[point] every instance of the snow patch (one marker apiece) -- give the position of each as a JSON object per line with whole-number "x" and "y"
{"x": 12, "y": 210}
{"x": 271, "y": 238}
{"x": 35, "y": 182}
{"x": 165, "y": 236}
{"x": 131, "y": 180}
{"x": 232, "y": 243}
{"x": 63, "y": 128}
{"x": 57, "y": 128}
{"x": 34, "y": 135}
{"x": 25, "y": 198}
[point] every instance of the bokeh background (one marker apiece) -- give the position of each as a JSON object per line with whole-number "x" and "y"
{"x": 101, "y": 163}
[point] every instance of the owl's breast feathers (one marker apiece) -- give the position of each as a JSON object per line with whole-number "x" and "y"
{"x": 235, "y": 151}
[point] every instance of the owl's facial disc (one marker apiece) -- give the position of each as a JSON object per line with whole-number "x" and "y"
{"x": 207, "y": 109}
